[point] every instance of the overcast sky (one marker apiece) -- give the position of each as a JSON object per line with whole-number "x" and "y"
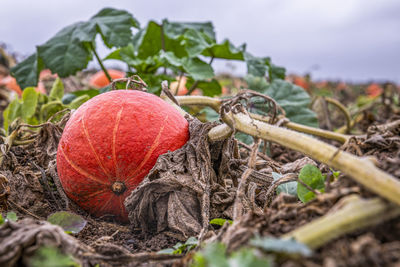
{"x": 353, "y": 40}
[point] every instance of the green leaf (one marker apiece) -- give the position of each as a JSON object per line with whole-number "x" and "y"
{"x": 247, "y": 258}
{"x": 255, "y": 65}
{"x": 77, "y": 102}
{"x": 68, "y": 98}
{"x": 211, "y": 114}
{"x": 149, "y": 42}
{"x": 57, "y": 90}
{"x": 180, "y": 248}
{"x": 12, "y": 216}
{"x": 169, "y": 251}
{"x": 293, "y": 99}
{"x": 27, "y": 71}
{"x": 29, "y": 103}
{"x": 220, "y": 221}
{"x": 176, "y": 29}
{"x": 154, "y": 82}
{"x": 114, "y": 26}
{"x": 196, "y": 42}
{"x": 211, "y": 88}
{"x": 245, "y": 138}
{"x": 1, "y": 219}
{"x": 10, "y": 114}
{"x": 196, "y": 68}
{"x": 225, "y": 50}
{"x": 68, "y": 51}
{"x": 312, "y": 177}
{"x": 287, "y": 188}
{"x": 192, "y": 241}
{"x": 70, "y": 222}
{"x": 212, "y": 255}
{"x": 49, "y": 109}
{"x": 286, "y": 246}
{"x": 276, "y": 72}
{"x": 51, "y": 257}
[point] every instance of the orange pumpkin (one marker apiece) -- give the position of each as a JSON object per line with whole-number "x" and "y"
{"x": 99, "y": 79}
{"x": 374, "y": 90}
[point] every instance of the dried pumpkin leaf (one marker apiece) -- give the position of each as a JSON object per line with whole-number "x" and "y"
{"x": 70, "y": 222}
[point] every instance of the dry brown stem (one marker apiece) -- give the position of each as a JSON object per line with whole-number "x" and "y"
{"x": 361, "y": 170}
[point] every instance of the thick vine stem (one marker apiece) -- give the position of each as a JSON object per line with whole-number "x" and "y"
{"x": 356, "y": 213}
{"x": 215, "y": 104}
{"x": 342, "y": 138}
{"x": 344, "y": 110}
{"x": 361, "y": 170}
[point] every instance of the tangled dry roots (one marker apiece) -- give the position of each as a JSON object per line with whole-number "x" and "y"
{"x": 19, "y": 241}
{"x": 185, "y": 187}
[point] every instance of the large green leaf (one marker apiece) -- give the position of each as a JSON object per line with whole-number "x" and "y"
{"x": 209, "y": 88}
{"x": 274, "y": 72}
{"x": 195, "y": 67}
{"x": 293, "y": 99}
{"x": 142, "y": 66}
{"x": 114, "y": 26}
{"x": 225, "y": 50}
{"x": 198, "y": 69}
{"x": 149, "y": 42}
{"x": 27, "y": 72}
{"x": 70, "y": 49}
{"x": 195, "y": 42}
{"x": 255, "y": 65}
{"x": 175, "y": 29}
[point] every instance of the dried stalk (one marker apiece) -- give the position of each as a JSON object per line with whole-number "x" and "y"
{"x": 224, "y": 131}
{"x": 361, "y": 170}
{"x": 343, "y": 109}
{"x": 356, "y": 213}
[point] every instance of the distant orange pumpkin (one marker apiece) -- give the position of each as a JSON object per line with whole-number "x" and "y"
{"x": 99, "y": 79}
{"x": 300, "y": 81}
{"x": 374, "y": 90}
{"x": 10, "y": 83}
{"x": 182, "y": 90}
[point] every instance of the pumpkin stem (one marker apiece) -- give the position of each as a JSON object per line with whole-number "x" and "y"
{"x": 118, "y": 187}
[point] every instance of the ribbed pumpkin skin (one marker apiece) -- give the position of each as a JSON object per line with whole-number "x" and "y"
{"x": 115, "y": 136}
